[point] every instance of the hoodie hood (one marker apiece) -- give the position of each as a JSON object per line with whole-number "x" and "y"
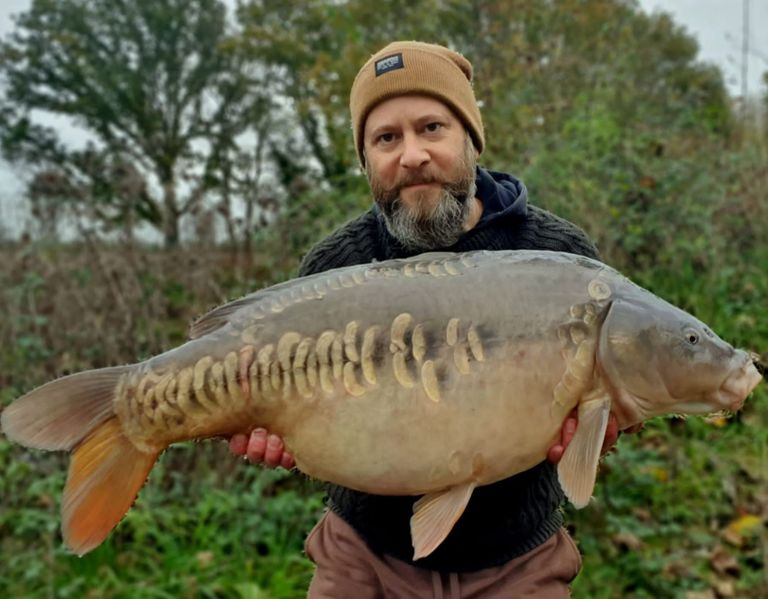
{"x": 503, "y": 196}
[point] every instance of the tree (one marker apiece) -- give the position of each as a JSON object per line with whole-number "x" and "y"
{"x": 158, "y": 86}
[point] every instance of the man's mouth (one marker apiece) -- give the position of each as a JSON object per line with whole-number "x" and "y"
{"x": 417, "y": 185}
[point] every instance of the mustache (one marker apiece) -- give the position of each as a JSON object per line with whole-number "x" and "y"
{"x": 417, "y": 178}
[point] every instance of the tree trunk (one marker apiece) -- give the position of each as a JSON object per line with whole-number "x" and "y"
{"x": 170, "y": 214}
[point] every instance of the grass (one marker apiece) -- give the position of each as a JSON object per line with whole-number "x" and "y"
{"x": 680, "y": 507}
{"x": 205, "y": 525}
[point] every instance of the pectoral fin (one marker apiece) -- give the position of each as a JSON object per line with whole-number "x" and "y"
{"x": 434, "y": 516}
{"x": 577, "y": 470}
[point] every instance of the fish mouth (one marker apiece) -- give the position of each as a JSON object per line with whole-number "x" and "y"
{"x": 739, "y": 384}
{"x": 761, "y": 363}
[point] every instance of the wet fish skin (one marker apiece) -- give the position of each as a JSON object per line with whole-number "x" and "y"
{"x": 430, "y": 375}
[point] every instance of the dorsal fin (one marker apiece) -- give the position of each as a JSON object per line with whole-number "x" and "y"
{"x": 221, "y": 315}
{"x": 216, "y": 318}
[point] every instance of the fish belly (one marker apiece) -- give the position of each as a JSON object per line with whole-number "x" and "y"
{"x": 495, "y": 421}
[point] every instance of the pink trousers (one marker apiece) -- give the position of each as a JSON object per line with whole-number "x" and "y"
{"x": 347, "y": 569}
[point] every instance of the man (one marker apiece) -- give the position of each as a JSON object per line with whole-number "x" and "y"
{"x": 418, "y": 133}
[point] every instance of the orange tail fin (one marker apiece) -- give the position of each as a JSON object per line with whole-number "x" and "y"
{"x": 105, "y": 475}
{"x": 107, "y": 470}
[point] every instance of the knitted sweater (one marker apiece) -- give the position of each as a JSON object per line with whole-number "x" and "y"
{"x": 503, "y": 520}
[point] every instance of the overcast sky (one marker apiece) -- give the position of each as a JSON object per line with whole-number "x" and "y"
{"x": 716, "y": 24}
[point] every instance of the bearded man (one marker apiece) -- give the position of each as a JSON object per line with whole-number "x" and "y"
{"x": 418, "y": 133}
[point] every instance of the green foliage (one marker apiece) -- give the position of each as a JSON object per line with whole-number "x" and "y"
{"x": 668, "y": 507}
{"x": 204, "y": 526}
{"x": 309, "y": 217}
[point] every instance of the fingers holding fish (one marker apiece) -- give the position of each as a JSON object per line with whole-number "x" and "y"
{"x": 275, "y": 453}
{"x": 260, "y": 447}
{"x": 568, "y": 430}
{"x": 238, "y": 444}
{"x": 555, "y": 453}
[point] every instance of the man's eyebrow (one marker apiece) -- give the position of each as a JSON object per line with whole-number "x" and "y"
{"x": 422, "y": 120}
{"x": 432, "y": 117}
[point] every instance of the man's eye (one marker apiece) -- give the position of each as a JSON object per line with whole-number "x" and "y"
{"x": 386, "y": 138}
{"x": 432, "y": 127}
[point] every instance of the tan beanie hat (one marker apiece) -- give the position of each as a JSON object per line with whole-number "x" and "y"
{"x": 415, "y": 68}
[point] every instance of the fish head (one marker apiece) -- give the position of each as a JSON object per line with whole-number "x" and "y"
{"x": 661, "y": 360}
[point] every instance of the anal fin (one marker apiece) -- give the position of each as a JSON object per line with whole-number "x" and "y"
{"x": 434, "y": 516}
{"x": 577, "y": 470}
{"x": 106, "y": 473}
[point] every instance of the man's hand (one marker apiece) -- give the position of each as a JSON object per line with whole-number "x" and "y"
{"x": 569, "y": 429}
{"x": 262, "y": 448}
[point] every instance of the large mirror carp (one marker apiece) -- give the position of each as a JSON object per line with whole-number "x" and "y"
{"x": 426, "y": 376}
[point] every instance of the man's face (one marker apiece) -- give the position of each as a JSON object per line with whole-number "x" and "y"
{"x": 420, "y": 163}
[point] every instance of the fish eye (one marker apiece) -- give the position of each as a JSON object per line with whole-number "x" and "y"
{"x": 691, "y": 336}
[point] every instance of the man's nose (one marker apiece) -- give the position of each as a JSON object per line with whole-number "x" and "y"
{"x": 414, "y": 153}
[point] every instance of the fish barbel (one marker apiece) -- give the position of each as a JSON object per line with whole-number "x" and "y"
{"x": 425, "y": 376}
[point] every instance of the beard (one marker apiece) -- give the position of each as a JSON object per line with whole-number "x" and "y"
{"x": 421, "y": 226}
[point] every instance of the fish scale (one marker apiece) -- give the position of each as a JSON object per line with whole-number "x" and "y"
{"x": 287, "y": 368}
{"x": 425, "y": 376}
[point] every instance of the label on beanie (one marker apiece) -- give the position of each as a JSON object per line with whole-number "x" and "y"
{"x": 389, "y": 63}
